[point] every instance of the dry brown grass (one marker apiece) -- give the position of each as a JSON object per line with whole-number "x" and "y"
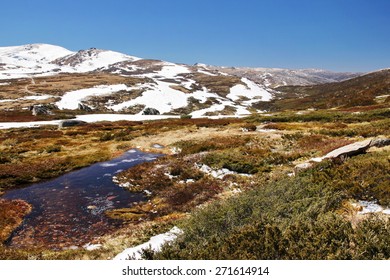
{"x": 12, "y": 213}
{"x": 171, "y": 198}
{"x": 218, "y": 84}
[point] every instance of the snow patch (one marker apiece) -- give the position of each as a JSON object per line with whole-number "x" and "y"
{"x": 91, "y": 247}
{"x": 206, "y": 72}
{"x": 171, "y": 70}
{"x": 251, "y": 90}
{"x": 7, "y": 125}
{"x": 71, "y": 99}
{"x": 160, "y": 96}
{"x": 155, "y": 243}
{"x": 95, "y": 59}
{"x": 219, "y": 173}
{"x": 37, "y": 97}
{"x": 89, "y": 119}
{"x": 371, "y": 207}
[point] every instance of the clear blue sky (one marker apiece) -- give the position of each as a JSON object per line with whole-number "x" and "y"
{"x": 341, "y": 35}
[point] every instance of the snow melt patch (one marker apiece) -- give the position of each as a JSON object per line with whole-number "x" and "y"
{"x": 251, "y": 90}
{"x": 171, "y": 70}
{"x": 31, "y": 97}
{"x": 160, "y": 96}
{"x": 155, "y": 243}
{"x": 92, "y": 247}
{"x": 122, "y": 117}
{"x": 37, "y": 97}
{"x": 371, "y": 207}
{"x": 71, "y": 99}
{"x": 89, "y": 119}
{"x": 219, "y": 173}
{"x": 206, "y": 72}
{"x": 7, "y": 125}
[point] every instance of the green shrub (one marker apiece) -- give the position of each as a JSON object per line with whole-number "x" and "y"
{"x": 291, "y": 218}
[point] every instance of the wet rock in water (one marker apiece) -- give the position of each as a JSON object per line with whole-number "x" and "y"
{"x": 151, "y": 111}
{"x": 70, "y": 123}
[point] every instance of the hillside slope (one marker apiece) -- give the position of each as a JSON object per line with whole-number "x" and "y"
{"x": 366, "y": 90}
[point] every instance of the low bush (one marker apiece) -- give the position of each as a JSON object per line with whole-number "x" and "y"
{"x": 289, "y": 218}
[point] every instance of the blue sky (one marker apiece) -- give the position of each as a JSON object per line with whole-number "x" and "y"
{"x": 342, "y": 35}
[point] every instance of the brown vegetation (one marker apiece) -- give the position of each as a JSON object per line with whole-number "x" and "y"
{"x": 360, "y": 91}
{"x": 273, "y": 209}
{"x": 12, "y": 213}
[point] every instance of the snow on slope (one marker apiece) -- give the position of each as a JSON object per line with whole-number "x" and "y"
{"x": 23, "y": 61}
{"x": 91, "y": 59}
{"x": 31, "y": 55}
{"x": 71, "y": 99}
{"x": 43, "y": 59}
{"x": 165, "y": 86}
{"x": 171, "y": 70}
{"x": 251, "y": 90}
{"x": 159, "y": 96}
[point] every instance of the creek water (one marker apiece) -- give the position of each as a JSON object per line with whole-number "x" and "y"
{"x": 69, "y": 210}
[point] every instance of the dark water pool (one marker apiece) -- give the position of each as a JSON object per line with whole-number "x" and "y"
{"x": 69, "y": 210}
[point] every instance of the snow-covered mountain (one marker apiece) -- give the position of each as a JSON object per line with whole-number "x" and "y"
{"x": 44, "y": 60}
{"x": 106, "y": 81}
{"x": 23, "y": 61}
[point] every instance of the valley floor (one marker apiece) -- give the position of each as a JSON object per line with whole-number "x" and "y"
{"x": 229, "y": 184}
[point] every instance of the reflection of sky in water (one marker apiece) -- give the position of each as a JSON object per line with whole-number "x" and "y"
{"x": 69, "y": 210}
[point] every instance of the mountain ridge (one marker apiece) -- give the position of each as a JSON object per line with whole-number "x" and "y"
{"x": 68, "y": 59}
{"x": 104, "y": 81}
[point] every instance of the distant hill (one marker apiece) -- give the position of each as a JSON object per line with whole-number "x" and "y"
{"x": 367, "y": 90}
{"x": 275, "y": 77}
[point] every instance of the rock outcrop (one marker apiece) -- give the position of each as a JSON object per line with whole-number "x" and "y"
{"x": 347, "y": 151}
{"x": 83, "y": 107}
{"x": 69, "y": 123}
{"x": 350, "y": 150}
{"x": 380, "y": 142}
{"x": 151, "y": 111}
{"x": 41, "y": 110}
